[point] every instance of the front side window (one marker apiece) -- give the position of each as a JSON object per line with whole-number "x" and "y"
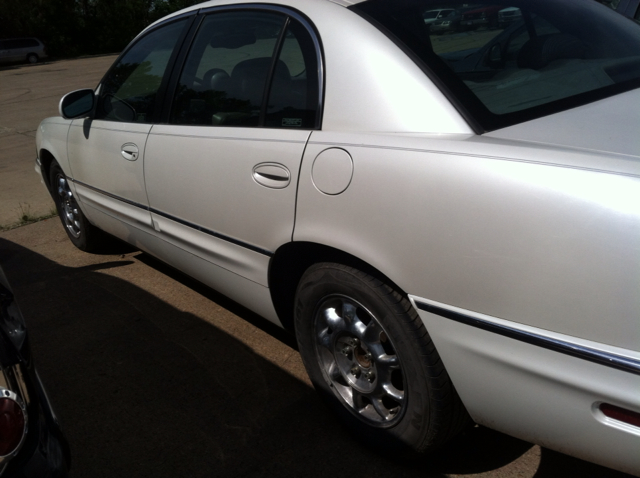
{"x": 129, "y": 91}
{"x": 248, "y": 68}
{"x": 507, "y": 62}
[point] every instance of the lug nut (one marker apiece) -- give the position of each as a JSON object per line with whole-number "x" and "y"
{"x": 346, "y": 351}
{"x": 369, "y": 376}
{"x": 354, "y": 342}
{"x": 355, "y": 371}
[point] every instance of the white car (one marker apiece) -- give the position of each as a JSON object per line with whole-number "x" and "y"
{"x": 431, "y": 16}
{"x": 450, "y": 240}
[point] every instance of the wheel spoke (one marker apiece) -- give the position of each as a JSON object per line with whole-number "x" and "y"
{"x": 324, "y": 339}
{"x": 383, "y": 411}
{"x": 334, "y": 373}
{"x": 333, "y": 320}
{"x": 348, "y": 311}
{"x": 359, "y": 402}
{"x": 393, "y": 392}
{"x": 385, "y": 361}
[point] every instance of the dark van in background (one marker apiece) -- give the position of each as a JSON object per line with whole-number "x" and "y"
{"x": 30, "y": 50}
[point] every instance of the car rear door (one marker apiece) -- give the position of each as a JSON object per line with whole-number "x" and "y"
{"x": 221, "y": 176}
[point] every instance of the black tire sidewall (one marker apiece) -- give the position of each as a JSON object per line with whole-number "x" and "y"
{"x": 411, "y": 432}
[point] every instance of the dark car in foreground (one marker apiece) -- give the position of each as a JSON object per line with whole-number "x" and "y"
{"x": 31, "y": 443}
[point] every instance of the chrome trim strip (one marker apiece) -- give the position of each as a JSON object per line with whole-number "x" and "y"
{"x": 191, "y": 225}
{"x": 589, "y": 354}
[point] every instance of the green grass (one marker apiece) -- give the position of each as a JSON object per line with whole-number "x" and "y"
{"x": 27, "y": 217}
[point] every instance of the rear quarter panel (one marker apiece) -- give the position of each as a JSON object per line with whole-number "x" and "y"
{"x": 489, "y": 226}
{"x": 496, "y": 229}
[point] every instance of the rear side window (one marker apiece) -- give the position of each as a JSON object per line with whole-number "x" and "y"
{"x": 29, "y": 43}
{"x": 248, "y": 68}
{"x": 508, "y": 62}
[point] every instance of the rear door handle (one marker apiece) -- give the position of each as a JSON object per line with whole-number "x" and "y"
{"x": 130, "y": 151}
{"x": 272, "y": 175}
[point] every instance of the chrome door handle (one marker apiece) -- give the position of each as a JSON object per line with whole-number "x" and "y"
{"x": 272, "y": 175}
{"x": 130, "y": 151}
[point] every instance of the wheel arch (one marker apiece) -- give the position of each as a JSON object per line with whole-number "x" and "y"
{"x": 46, "y": 158}
{"x": 291, "y": 261}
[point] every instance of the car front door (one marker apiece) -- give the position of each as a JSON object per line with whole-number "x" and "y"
{"x": 106, "y": 152}
{"x": 221, "y": 177}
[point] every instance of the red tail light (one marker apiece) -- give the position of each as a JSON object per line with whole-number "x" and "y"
{"x": 12, "y": 423}
{"x": 620, "y": 414}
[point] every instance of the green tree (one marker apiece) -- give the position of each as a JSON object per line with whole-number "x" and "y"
{"x": 76, "y": 27}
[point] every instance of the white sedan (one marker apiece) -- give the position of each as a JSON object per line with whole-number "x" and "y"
{"x": 449, "y": 224}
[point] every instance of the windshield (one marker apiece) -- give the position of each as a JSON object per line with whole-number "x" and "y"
{"x": 502, "y": 63}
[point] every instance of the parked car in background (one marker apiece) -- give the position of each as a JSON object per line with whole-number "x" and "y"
{"x": 449, "y": 225}
{"x": 508, "y": 15}
{"x": 448, "y": 24}
{"x": 31, "y": 442}
{"x": 483, "y": 16}
{"x": 431, "y": 16}
{"x": 30, "y": 50}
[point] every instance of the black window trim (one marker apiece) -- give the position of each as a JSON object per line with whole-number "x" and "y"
{"x": 274, "y": 61}
{"x": 172, "y": 84}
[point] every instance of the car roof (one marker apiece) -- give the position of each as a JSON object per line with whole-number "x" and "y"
{"x": 216, "y": 3}
{"x": 346, "y": 3}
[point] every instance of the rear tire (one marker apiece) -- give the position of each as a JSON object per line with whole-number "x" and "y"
{"x": 84, "y": 235}
{"x": 372, "y": 361}
{"x": 32, "y": 58}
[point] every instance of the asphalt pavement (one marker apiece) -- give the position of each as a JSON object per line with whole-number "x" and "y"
{"x": 153, "y": 374}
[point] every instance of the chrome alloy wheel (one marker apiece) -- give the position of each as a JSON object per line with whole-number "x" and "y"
{"x": 359, "y": 361}
{"x": 69, "y": 213}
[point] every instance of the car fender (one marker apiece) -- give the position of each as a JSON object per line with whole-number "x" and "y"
{"x": 51, "y": 143}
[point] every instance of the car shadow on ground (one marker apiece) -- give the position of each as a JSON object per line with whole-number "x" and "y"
{"x": 144, "y": 389}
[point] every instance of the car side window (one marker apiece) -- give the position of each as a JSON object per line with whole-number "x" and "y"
{"x": 293, "y": 97}
{"x": 129, "y": 92}
{"x": 230, "y": 70}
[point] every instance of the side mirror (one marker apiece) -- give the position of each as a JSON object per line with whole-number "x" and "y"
{"x": 77, "y": 104}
